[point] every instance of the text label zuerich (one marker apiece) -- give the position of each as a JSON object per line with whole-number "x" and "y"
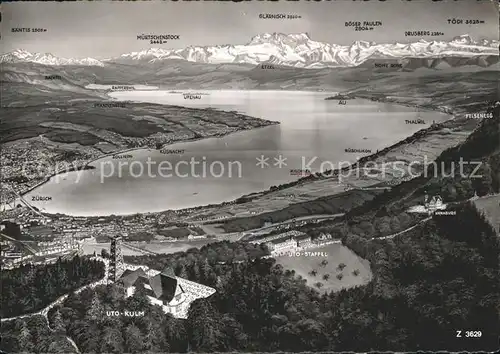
{"x": 40, "y": 198}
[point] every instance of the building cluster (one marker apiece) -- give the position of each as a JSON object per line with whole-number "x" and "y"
{"x": 18, "y": 252}
{"x": 29, "y": 162}
{"x": 430, "y": 206}
{"x": 219, "y": 216}
{"x": 288, "y": 241}
{"x": 44, "y": 235}
{"x": 33, "y": 240}
{"x": 434, "y": 203}
{"x": 196, "y": 237}
{"x": 173, "y": 294}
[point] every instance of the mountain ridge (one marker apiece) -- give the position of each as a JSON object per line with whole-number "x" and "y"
{"x": 295, "y": 49}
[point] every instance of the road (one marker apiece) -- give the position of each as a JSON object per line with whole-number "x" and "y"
{"x": 104, "y": 280}
{"x": 25, "y": 202}
{"x": 401, "y": 232}
{"x": 23, "y": 243}
{"x": 388, "y": 237}
{"x": 73, "y": 344}
{"x": 317, "y": 218}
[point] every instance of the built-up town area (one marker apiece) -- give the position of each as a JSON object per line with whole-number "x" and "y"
{"x": 29, "y": 235}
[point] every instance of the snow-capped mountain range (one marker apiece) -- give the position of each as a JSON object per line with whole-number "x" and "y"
{"x": 20, "y": 55}
{"x": 297, "y": 50}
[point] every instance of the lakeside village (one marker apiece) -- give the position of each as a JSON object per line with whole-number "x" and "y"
{"x": 34, "y": 237}
{"x": 40, "y": 239}
{"x": 175, "y": 294}
{"x": 28, "y": 163}
{"x": 29, "y": 236}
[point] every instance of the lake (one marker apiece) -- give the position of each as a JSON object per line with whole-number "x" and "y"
{"x": 314, "y": 134}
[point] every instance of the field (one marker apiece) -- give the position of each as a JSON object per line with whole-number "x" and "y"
{"x": 158, "y": 247}
{"x": 90, "y": 248}
{"x": 335, "y": 254}
{"x": 173, "y": 247}
{"x": 490, "y": 207}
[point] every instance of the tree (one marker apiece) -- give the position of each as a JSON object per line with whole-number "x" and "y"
{"x": 133, "y": 339}
{"x": 111, "y": 340}
{"x": 139, "y": 300}
{"x": 326, "y": 277}
{"x": 95, "y": 311}
{"x": 105, "y": 253}
{"x": 175, "y": 334}
{"x": 183, "y": 273}
{"x": 236, "y": 338}
{"x": 313, "y": 272}
{"x": 341, "y": 266}
{"x": 318, "y": 285}
{"x": 395, "y": 224}
{"x": 340, "y": 276}
{"x": 58, "y": 323}
{"x": 25, "y": 339}
{"x": 383, "y": 226}
{"x": 355, "y": 272}
{"x": 312, "y": 335}
{"x": 205, "y": 327}
{"x": 482, "y": 181}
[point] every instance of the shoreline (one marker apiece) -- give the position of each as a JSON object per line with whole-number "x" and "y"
{"x": 249, "y": 197}
{"x": 72, "y": 169}
{"x": 331, "y": 173}
{"x": 87, "y": 166}
{"x": 190, "y": 140}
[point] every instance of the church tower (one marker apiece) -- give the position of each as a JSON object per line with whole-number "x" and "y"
{"x": 116, "y": 266}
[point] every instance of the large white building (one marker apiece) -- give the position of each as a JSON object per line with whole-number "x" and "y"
{"x": 288, "y": 241}
{"x": 435, "y": 203}
{"x": 172, "y": 293}
{"x": 430, "y": 205}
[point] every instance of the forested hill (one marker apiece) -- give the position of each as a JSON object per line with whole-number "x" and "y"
{"x": 444, "y": 177}
{"x": 428, "y": 284}
{"x": 438, "y": 278}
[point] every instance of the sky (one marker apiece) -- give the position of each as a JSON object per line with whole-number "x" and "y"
{"x": 103, "y": 29}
